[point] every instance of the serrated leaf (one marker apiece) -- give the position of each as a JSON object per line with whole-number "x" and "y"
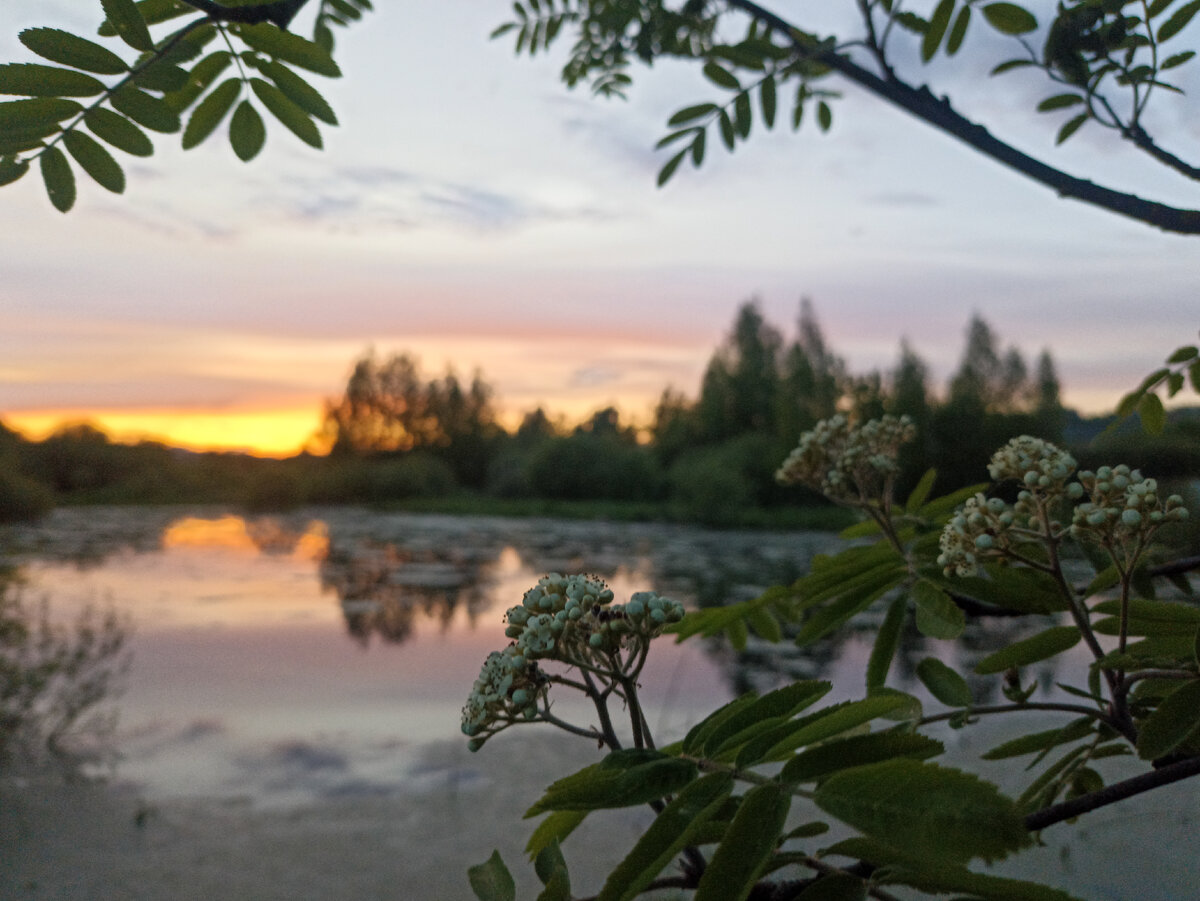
{"x": 944, "y": 683}
{"x": 819, "y": 726}
{"x": 1009, "y": 18}
{"x": 749, "y": 719}
{"x": 1039, "y": 742}
{"x": 720, "y": 76}
{"x": 209, "y": 113}
{"x": 1175, "y": 721}
{"x": 943, "y": 813}
{"x": 555, "y": 827}
{"x": 623, "y": 779}
{"x": 11, "y": 170}
{"x": 743, "y": 853}
{"x": 959, "y": 31}
{"x": 1042, "y": 646}
{"x": 37, "y": 80}
{"x": 937, "y": 615}
{"x": 299, "y": 91}
{"x": 1071, "y": 126}
{"x": 203, "y": 74}
{"x": 40, "y": 111}
{"x": 1059, "y": 101}
{"x": 689, "y": 113}
{"x": 95, "y": 161}
{"x": 290, "y": 48}
{"x": 1177, "y": 59}
{"x": 296, "y": 120}
{"x": 58, "y": 179}
{"x": 887, "y": 641}
{"x": 668, "y": 169}
{"x": 118, "y": 131}
{"x": 1148, "y": 618}
{"x": 938, "y": 23}
{"x": 1153, "y": 415}
{"x": 920, "y": 492}
{"x": 491, "y": 880}
{"x": 124, "y": 16}
{"x": 742, "y": 115}
{"x": 857, "y": 750}
{"x": 146, "y": 110}
{"x": 247, "y": 134}
{"x": 1178, "y": 21}
{"x": 549, "y": 863}
{"x": 60, "y": 46}
{"x": 768, "y": 100}
{"x": 670, "y": 833}
{"x": 764, "y": 623}
{"x": 162, "y": 76}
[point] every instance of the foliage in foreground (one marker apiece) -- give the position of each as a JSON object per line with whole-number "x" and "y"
{"x": 743, "y": 800}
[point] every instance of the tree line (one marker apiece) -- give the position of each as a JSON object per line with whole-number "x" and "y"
{"x": 395, "y": 434}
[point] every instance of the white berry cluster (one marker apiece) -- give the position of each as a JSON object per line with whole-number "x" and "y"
{"x": 846, "y": 463}
{"x": 1037, "y": 464}
{"x": 1122, "y": 505}
{"x": 980, "y": 527}
{"x": 569, "y": 619}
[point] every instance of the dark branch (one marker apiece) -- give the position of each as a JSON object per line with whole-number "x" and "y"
{"x": 1144, "y": 142}
{"x": 1175, "y": 567}
{"x": 921, "y": 103}
{"x": 279, "y": 13}
{"x": 1110, "y": 794}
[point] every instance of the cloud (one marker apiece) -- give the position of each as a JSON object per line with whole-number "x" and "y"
{"x": 901, "y": 199}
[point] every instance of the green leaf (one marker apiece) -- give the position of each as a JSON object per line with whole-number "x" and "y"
{"x": 764, "y": 623}
{"x": 153, "y": 12}
{"x": 1039, "y": 742}
{"x": 824, "y": 116}
{"x": 124, "y": 16}
{"x": 36, "y": 80}
{"x": 778, "y": 743}
{"x": 11, "y": 170}
{"x": 296, "y": 120}
{"x": 1153, "y": 416}
{"x": 146, "y": 110}
{"x": 1174, "y": 722}
{"x": 696, "y": 737}
{"x": 942, "y": 813}
{"x": 735, "y": 730}
{"x": 665, "y": 173}
{"x": 491, "y": 880}
{"x": 1059, "y": 101}
{"x": 95, "y": 161}
{"x": 857, "y": 750}
{"x": 290, "y": 48}
{"x": 921, "y": 492}
{"x": 959, "y": 31}
{"x": 162, "y": 76}
{"x": 689, "y": 113}
{"x": 769, "y": 100}
{"x": 937, "y": 877}
{"x": 938, "y": 23}
{"x": 835, "y": 887}
{"x": 246, "y": 132}
{"x": 887, "y": 641}
{"x": 720, "y": 76}
{"x": 697, "y": 158}
{"x": 670, "y": 833}
{"x": 58, "y": 179}
{"x": 1183, "y": 354}
{"x": 299, "y": 91}
{"x": 1148, "y": 618}
{"x": 203, "y": 74}
{"x": 937, "y": 615}
{"x": 1009, "y": 18}
{"x": 40, "y": 111}
{"x": 551, "y": 868}
{"x": 554, "y": 828}
{"x": 1042, "y": 646}
{"x": 210, "y": 111}
{"x": 944, "y": 683}
{"x": 118, "y": 131}
{"x": 748, "y": 845}
{"x": 1177, "y": 59}
{"x": 742, "y": 115}
{"x": 60, "y": 46}
{"x": 1010, "y": 64}
{"x": 1071, "y": 126}
{"x": 622, "y": 779}
{"x": 1178, "y": 20}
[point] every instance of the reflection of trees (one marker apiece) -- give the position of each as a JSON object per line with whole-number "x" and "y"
{"x": 385, "y": 588}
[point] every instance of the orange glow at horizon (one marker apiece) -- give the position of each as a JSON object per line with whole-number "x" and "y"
{"x": 279, "y": 432}
{"x": 235, "y": 534}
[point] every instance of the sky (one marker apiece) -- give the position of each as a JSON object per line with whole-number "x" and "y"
{"x": 473, "y": 211}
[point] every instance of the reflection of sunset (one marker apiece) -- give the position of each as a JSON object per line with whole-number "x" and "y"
{"x": 232, "y": 533}
{"x": 268, "y": 433}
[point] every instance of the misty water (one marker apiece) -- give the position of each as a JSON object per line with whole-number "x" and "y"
{"x": 288, "y": 659}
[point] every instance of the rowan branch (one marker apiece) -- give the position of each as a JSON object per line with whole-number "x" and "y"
{"x": 278, "y": 13}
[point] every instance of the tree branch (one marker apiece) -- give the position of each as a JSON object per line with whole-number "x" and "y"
{"x": 921, "y": 102}
{"x": 1110, "y": 794}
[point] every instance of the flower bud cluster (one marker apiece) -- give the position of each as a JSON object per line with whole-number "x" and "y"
{"x": 979, "y": 528}
{"x": 570, "y": 619}
{"x": 847, "y": 463}
{"x": 1122, "y": 505}
{"x": 1037, "y": 464}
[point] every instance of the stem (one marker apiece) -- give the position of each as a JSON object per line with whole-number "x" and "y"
{"x": 280, "y": 13}
{"x": 1014, "y": 708}
{"x": 550, "y": 718}
{"x": 606, "y": 727}
{"x": 1110, "y": 794}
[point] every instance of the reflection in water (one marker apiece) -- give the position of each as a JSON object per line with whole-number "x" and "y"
{"x": 262, "y": 535}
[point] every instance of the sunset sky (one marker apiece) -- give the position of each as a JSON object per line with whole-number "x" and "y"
{"x": 473, "y": 211}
